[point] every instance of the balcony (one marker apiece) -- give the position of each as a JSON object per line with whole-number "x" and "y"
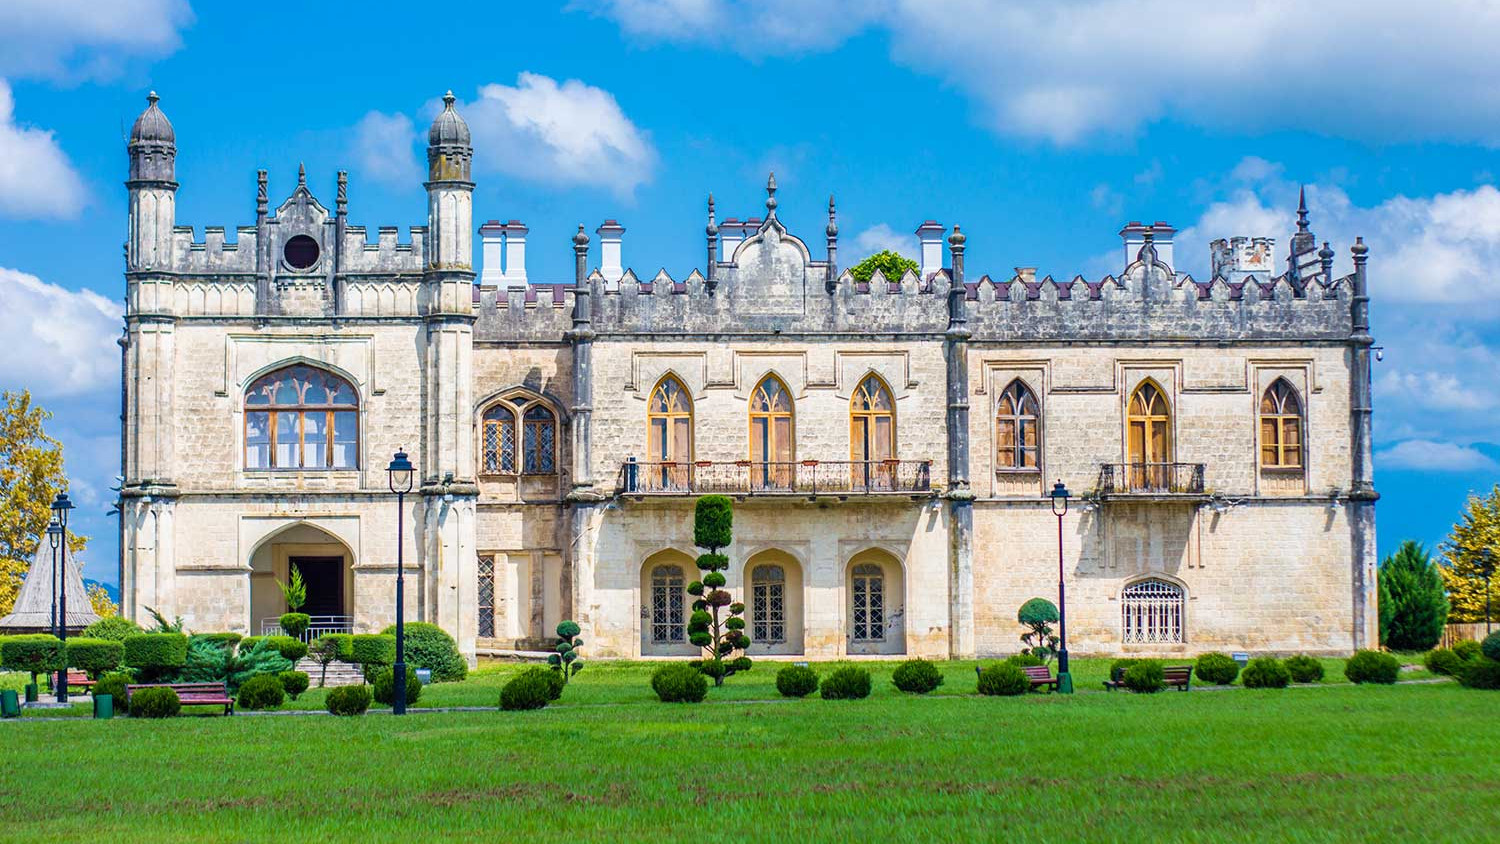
{"x": 1150, "y": 480}
{"x": 806, "y": 477}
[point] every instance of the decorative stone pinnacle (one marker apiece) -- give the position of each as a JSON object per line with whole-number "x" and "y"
{"x": 1359, "y": 248}
{"x": 957, "y": 239}
{"x": 1326, "y": 253}
{"x": 833, "y": 225}
{"x": 449, "y": 99}
{"x": 713, "y": 227}
{"x": 771, "y": 194}
{"x": 580, "y": 240}
{"x": 1302, "y": 210}
{"x": 301, "y": 175}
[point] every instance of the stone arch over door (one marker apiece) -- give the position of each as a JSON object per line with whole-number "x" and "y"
{"x": 875, "y": 603}
{"x": 327, "y": 566}
{"x": 665, "y": 604}
{"x": 774, "y": 607}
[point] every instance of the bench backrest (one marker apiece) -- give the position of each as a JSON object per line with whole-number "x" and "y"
{"x": 1177, "y": 673}
{"x": 1037, "y": 672}
{"x": 197, "y": 690}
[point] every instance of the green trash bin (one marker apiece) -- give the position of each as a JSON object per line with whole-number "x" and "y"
{"x": 104, "y": 707}
{"x": 10, "y": 704}
{"x": 31, "y": 692}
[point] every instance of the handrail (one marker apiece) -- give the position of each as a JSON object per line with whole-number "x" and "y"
{"x": 1151, "y": 479}
{"x": 798, "y": 477}
{"x": 318, "y": 625}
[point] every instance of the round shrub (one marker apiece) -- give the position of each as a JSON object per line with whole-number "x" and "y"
{"x": 263, "y": 691}
{"x": 1145, "y": 676}
{"x": 848, "y": 683}
{"x": 1490, "y": 647}
{"x": 113, "y": 628}
{"x": 1372, "y": 667}
{"x": 348, "y": 700}
{"x": 1481, "y": 673}
{"x": 155, "y": 703}
{"x": 531, "y": 689}
{"x": 263, "y": 657}
{"x": 295, "y": 623}
{"x": 37, "y": 653}
{"x": 94, "y": 656}
{"x": 918, "y": 676}
{"x": 372, "y": 649}
{"x": 1216, "y": 669}
{"x": 1466, "y": 649}
{"x": 290, "y": 648}
{"x": 679, "y": 682}
{"x": 155, "y": 654}
{"x": 796, "y": 681}
{"x": 114, "y": 686}
{"x": 1118, "y": 668}
{"x": 1304, "y": 669}
{"x": 1025, "y": 660}
{"x": 383, "y": 683}
{"x": 294, "y": 682}
{"x": 345, "y": 644}
{"x": 1266, "y": 672}
{"x": 558, "y": 683}
{"x": 1004, "y": 678}
{"x": 1443, "y": 661}
{"x": 429, "y": 646}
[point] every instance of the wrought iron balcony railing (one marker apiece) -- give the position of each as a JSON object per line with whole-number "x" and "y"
{"x": 1151, "y": 479}
{"x": 803, "y": 477}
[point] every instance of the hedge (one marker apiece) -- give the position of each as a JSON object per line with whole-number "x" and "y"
{"x": 292, "y": 649}
{"x": 373, "y": 649}
{"x": 156, "y": 650}
{"x": 35, "y": 653}
{"x": 95, "y": 656}
{"x": 429, "y": 646}
{"x": 345, "y": 641}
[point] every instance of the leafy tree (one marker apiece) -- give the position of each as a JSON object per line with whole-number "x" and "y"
{"x": 31, "y": 476}
{"x": 103, "y": 605}
{"x": 1413, "y": 608}
{"x": 710, "y": 628}
{"x": 324, "y": 652}
{"x": 294, "y": 590}
{"x": 892, "y": 265}
{"x": 1038, "y": 614}
{"x": 566, "y": 661}
{"x": 1477, "y": 531}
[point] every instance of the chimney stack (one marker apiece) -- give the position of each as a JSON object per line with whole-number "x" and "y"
{"x": 515, "y": 253}
{"x": 1134, "y": 234}
{"x": 610, "y": 236}
{"x": 492, "y": 241}
{"x": 930, "y": 236}
{"x": 731, "y": 233}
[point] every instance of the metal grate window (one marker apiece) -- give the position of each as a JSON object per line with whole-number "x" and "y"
{"x": 768, "y": 594}
{"x": 666, "y": 605}
{"x": 869, "y": 603}
{"x": 486, "y": 595}
{"x": 1152, "y": 612}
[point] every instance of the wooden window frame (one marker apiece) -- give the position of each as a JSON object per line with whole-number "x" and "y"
{"x": 302, "y": 409}
{"x": 670, "y": 416}
{"x": 1147, "y": 420}
{"x": 1019, "y": 392}
{"x": 518, "y": 406}
{"x": 1280, "y": 419}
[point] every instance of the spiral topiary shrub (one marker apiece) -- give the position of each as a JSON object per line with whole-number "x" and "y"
{"x": 263, "y": 691}
{"x": 348, "y": 700}
{"x": 1481, "y": 673}
{"x": 114, "y": 686}
{"x": 1490, "y": 647}
{"x": 155, "y": 703}
{"x": 1025, "y": 660}
{"x": 155, "y": 656}
{"x": 1372, "y": 667}
{"x": 679, "y": 682}
{"x": 531, "y": 689}
{"x": 369, "y": 649}
{"x": 796, "y": 681}
{"x": 1304, "y": 669}
{"x": 1466, "y": 649}
{"x": 383, "y": 684}
{"x": 708, "y": 627}
{"x": 94, "y": 656}
{"x": 1145, "y": 677}
{"x": 1003, "y": 679}
{"x": 114, "y": 628}
{"x": 1265, "y": 672}
{"x": 1443, "y": 661}
{"x": 1216, "y": 669}
{"x": 565, "y": 661}
{"x": 294, "y": 682}
{"x": 847, "y": 683}
{"x": 429, "y": 646}
{"x": 917, "y": 676}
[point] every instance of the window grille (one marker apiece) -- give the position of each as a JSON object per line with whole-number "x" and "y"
{"x": 301, "y": 417}
{"x": 1152, "y": 612}
{"x": 768, "y": 593}
{"x": 666, "y": 605}
{"x": 869, "y": 603}
{"x": 486, "y": 595}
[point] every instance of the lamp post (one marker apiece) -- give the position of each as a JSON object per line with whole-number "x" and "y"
{"x": 54, "y": 538}
{"x": 400, "y": 472}
{"x": 1060, "y": 497}
{"x": 1487, "y": 569}
{"x": 59, "y": 540}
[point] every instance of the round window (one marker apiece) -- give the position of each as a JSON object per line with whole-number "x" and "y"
{"x": 301, "y": 252}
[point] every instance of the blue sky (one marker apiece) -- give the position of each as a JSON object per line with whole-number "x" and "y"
{"x": 1040, "y": 128}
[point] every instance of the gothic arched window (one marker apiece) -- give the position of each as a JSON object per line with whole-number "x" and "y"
{"x": 1016, "y": 427}
{"x": 301, "y": 417}
{"x": 669, "y": 423}
{"x": 537, "y": 441}
{"x": 1280, "y": 427}
{"x": 872, "y": 434}
{"x": 771, "y": 443}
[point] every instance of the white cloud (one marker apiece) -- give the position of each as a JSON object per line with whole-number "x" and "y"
{"x": 1434, "y": 456}
{"x": 36, "y": 178}
{"x": 881, "y": 237}
{"x": 1074, "y": 69}
{"x": 84, "y": 39}
{"x": 68, "y": 338}
{"x": 567, "y": 133}
{"x": 385, "y": 149}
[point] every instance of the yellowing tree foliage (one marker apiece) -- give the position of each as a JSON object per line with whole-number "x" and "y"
{"x": 1478, "y": 530}
{"x": 103, "y": 605}
{"x": 31, "y": 475}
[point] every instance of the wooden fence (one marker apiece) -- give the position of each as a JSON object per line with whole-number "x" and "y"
{"x": 1464, "y": 630}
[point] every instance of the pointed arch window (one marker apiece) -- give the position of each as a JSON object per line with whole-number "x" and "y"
{"x": 527, "y": 449}
{"x": 669, "y": 422}
{"x": 1149, "y": 437}
{"x": 872, "y": 433}
{"x": 1016, "y": 427}
{"x": 1280, "y": 427}
{"x": 301, "y": 417}
{"x": 772, "y": 446}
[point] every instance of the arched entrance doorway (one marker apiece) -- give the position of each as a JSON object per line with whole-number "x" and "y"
{"x": 875, "y": 605}
{"x": 773, "y": 603}
{"x": 326, "y": 565}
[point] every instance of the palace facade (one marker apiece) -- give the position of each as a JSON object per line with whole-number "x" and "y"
{"x": 889, "y": 443}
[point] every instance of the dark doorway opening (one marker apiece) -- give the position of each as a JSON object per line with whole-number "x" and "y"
{"x": 324, "y": 577}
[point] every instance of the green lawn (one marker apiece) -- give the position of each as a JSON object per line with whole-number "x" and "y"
{"x": 1333, "y": 763}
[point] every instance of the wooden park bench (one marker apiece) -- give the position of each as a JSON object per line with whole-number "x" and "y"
{"x": 1040, "y": 677}
{"x": 80, "y": 680}
{"x": 1180, "y": 676}
{"x": 191, "y": 694}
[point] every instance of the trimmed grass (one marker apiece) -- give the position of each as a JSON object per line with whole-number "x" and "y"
{"x": 1328, "y": 764}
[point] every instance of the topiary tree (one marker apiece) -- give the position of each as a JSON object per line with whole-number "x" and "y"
{"x": 263, "y": 691}
{"x": 34, "y": 653}
{"x": 892, "y": 265}
{"x": 324, "y": 651}
{"x": 294, "y": 624}
{"x": 1216, "y": 668}
{"x": 370, "y": 650}
{"x": 710, "y": 628}
{"x": 94, "y": 656}
{"x": 156, "y": 656}
{"x": 295, "y": 682}
{"x": 566, "y": 662}
{"x": 113, "y": 628}
{"x": 429, "y": 646}
{"x": 1039, "y": 614}
{"x": 1413, "y": 606}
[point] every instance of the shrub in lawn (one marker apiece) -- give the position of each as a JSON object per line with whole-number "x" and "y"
{"x": 917, "y": 675}
{"x": 263, "y": 691}
{"x": 1413, "y": 605}
{"x": 1216, "y": 669}
{"x": 114, "y": 686}
{"x": 290, "y": 648}
{"x": 429, "y": 646}
{"x": 369, "y": 649}
{"x": 348, "y": 700}
{"x": 156, "y": 656}
{"x": 94, "y": 656}
{"x": 1372, "y": 667}
{"x": 717, "y": 624}
{"x": 679, "y": 682}
{"x": 155, "y": 703}
{"x": 345, "y": 643}
{"x": 531, "y": 689}
{"x": 383, "y": 683}
{"x": 1304, "y": 669}
{"x": 264, "y": 657}
{"x": 324, "y": 651}
{"x": 1145, "y": 676}
{"x": 1005, "y": 679}
{"x": 113, "y": 628}
{"x": 566, "y": 662}
{"x": 1443, "y": 661}
{"x": 1025, "y": 660}
{"x": 1038, "y": 615}
{"x": 847, "y": 683}
{"x": 558, "y": 684}
{"x": 1118, "y": 667}
{"x": 1466, "y": 649}
{"x": 35, "y": 653}
{"x": 207, "y": 661}
{"x": 1481, "y": 673}
{"x": 796, "y": 681}
{"x": 1490, "y": 647}
{"x": 1266, "y": 672}
{"x": 294, "y": 624}
{"x": 295, "y": 682}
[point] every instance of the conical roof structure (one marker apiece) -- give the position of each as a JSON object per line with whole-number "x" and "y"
{"x": 33, "y": 610}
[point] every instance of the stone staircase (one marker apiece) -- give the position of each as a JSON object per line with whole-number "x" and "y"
{"x": 339, "y": 673}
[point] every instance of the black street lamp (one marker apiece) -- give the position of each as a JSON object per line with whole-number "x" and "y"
{"x": 1486, "y": 568}
{"x": 401, "y": 477}
{"x": 54, "y": 538}
{"x": 1060, "y": 497}
{"x": 59, "y": 541}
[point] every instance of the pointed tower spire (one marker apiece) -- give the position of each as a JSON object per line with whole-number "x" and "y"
{"x": 1302, "y": 210}
{"x": 712, "y": 230}
{"x": 301, "y": 175}
{"x": 832, "y": 231}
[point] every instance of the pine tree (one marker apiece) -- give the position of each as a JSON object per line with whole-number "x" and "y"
{"x": 1413, "y": 608}
{"x": 1476, "y": 532}
{"x": 31, "y": 475}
